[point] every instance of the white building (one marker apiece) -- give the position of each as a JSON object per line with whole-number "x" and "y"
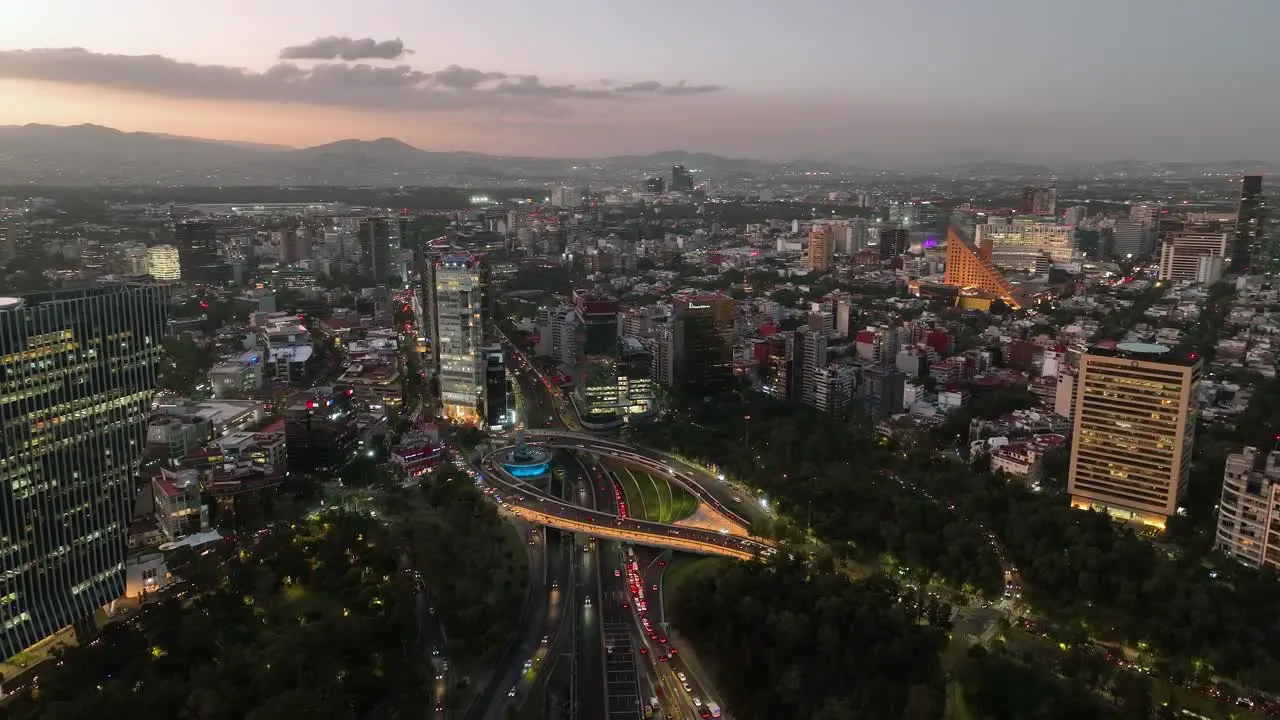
{"x": 1193, "y": 257}
{"x": 1249, "y": 510}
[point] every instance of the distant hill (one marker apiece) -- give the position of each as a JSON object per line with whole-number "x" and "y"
{"x": 96, "y": 155}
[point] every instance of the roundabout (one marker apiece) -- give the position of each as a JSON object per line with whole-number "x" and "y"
{"x": 525, "y": 461}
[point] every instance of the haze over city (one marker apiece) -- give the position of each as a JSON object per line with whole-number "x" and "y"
{"x": 848, "y": 81}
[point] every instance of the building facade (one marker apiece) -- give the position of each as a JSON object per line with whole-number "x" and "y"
{"x": 1249, "y": 510}
{"x": 164, "y": 263}
{"x": 1134, "y": 430}
{"x": 77, "y": 374}
{"x": 1194, "y": 257}
{"x": 1248, "y": 249}
{"x": 458, "y": 312}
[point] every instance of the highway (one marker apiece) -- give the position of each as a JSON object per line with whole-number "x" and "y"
{"x": 532, "y": 505}
{"x": 709, "y": 489}
{"x": 589, "y": 674}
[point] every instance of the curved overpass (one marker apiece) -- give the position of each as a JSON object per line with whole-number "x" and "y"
{"x": 649, "y": 459}
{"x": 531, "y": 505}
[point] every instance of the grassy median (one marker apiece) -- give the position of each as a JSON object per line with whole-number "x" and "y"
{"x": 653, "y": 498}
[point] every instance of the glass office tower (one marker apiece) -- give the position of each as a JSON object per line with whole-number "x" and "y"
{"x": 77, "y": 373}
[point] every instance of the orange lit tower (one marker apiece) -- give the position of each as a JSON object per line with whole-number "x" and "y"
{"x": 821, "y": 248}
{"x": 970, "y": 266}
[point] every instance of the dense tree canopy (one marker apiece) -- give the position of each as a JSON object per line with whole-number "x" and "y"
{"x": 316, "y": 622}
{"x": 1192, "y": 610}
{"x": 794, "y": 644}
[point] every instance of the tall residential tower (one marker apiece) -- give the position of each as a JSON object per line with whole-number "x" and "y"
{"x": 1134, "y": 426}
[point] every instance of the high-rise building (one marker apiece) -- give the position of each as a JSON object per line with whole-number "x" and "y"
{"x": 821, "y": 248}
{"x": 497, "y": 405}
{"x": 681, "y": 179}
{"x": 597, "y": 317}
{"x": 565, "y": 197}
{"x": 970, "y": 266}
{"x": 703, "y": 337}
{"x": 1130, "y": 239}
{"x": 1248, "y": 250}
{"x": 77, "y": 373}
{"x": 379, "y": 242}
{"x": 164, "y": 262}
{"x": 1134, "y": 426}
{"x": 1249, "y": 509}
{"x": 458, "y": 301}
{"x": 813, "y": 357}
{"x": 893, "y": 242}
{"x": 1194, "y": 257}
{"x": 197, "y": 243}
{"x": 1040, "y": 200}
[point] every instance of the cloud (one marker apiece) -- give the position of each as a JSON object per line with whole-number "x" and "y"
{"x": 361, "y": 86}
{"x": 345, "y": 48}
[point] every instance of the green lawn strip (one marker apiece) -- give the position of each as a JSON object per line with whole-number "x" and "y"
{"x": 666, "y": 496}
{"x": 631, "y": 492}
{"x": 652, "y": 495}
{"x": 682, "y": 504}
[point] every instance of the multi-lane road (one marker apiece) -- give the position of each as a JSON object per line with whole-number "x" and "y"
{"x": 623, "y": 665}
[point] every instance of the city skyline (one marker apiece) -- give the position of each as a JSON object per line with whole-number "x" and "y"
{"x": 805, "y": 80}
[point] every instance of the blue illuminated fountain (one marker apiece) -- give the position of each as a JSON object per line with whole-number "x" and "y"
{"x": 525, "y": 461}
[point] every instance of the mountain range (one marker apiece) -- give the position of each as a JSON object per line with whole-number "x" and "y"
{"x": 92, "y": 155}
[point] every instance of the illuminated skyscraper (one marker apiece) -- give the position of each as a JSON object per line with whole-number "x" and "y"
{"x": 1134, "y": 426}
{"x": 77, "y": 374}
{"x": 458, "y": 295}
{"x": 1247, "y": 250}
{"x": 821, "y": 248}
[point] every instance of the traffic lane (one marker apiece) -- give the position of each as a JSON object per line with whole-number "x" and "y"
{"x": 622, "y": 679}
{"x": 505, "y": 682}
{"x": 590, "y": 640}
{"x": 432, "y": 646}
{"x": 590, "y": 666}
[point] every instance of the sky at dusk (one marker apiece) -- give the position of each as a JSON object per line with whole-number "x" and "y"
{"x": 823, "y": 79}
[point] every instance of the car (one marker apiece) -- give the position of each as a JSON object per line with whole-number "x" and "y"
{"x": 687, "y": 687}
{"x": 662, "y": 640}
{"x": 617, "y": 573}
{"x": 697, "y": 702}
{"x": 644, "y": 651}
{"x": 662, "y": 658}
{"x": 655, "y": 587}
{"x": 682, "y": 677}
{"x": 587, "y": 601}
{"x": 671, "y": 650}
{"x": 512, "y": 691}
{"x": 544, "y": 639}
{"x": 704, "y": 713}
